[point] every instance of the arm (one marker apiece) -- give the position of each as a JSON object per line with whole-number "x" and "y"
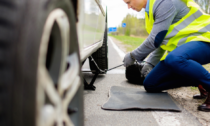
{"x": 155, "y": 56}
{"x": 164, "y": 13}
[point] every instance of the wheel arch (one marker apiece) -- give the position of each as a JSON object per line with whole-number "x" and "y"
{"x": 76, "y": 7}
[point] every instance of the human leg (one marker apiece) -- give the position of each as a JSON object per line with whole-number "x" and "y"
{"x": 162, "y": 78}
{"x": 182, "y": 67}
{"x": 187, "y": 61}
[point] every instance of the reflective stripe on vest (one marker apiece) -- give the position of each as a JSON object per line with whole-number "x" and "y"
{"x": 195, "y": 26}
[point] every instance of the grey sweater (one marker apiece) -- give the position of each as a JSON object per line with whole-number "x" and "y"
{"x": 165, "y": 12}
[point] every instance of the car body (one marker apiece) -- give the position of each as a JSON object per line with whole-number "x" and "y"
{"x": 90, "y": 26}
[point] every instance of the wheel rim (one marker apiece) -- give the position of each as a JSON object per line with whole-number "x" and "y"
{"x": 57, "y": 85}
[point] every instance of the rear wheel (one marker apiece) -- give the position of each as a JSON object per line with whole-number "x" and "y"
{"x": 101, "y": 56}
{"x": 41, "y": 82}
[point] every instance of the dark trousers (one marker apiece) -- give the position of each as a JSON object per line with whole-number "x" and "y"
{"x": 182, "y": 67}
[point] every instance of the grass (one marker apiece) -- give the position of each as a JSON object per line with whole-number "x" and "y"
{"x": 132, "y": 42}
{"x": 194, "y": 88}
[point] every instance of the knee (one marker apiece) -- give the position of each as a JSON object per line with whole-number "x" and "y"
{"x": 148, "y": 89}
{"x": 149, "y": 86}
{"x": 151, "y": 89}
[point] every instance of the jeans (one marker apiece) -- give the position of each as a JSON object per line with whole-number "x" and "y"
{"x": 182, "y": 67}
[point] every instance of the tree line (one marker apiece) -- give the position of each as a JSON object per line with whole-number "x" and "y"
{"x": 134, "y": 26}
{"x": 204, "y": 4}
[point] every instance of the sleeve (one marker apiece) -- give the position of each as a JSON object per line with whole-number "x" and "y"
{"x": 164, "y": 13}
{"x": 155, "y": 56}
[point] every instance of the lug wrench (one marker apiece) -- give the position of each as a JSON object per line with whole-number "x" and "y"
{"x": 114, "y": 67}
{"x": 102, "y": 71}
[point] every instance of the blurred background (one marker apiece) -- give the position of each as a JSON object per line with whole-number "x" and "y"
{"x": 118, "y": 13}
{"x": 128, "y": 26}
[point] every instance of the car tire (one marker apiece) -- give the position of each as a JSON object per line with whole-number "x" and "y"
{"x": 36, "y": 58}
{"x": 101, "y": 56}
{"x": 133, "y": 75}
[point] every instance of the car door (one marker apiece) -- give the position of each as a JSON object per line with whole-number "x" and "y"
{"x": 91, "y": 16}
{"x": 100, "y": 23}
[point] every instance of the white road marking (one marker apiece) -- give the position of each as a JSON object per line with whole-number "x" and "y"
{"x": 166, "y": 118}
{"x": 162, "y": 118}
{"x": 120, "y": 52}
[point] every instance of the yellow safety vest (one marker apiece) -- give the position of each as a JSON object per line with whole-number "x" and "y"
{"x": 194, "y": 26}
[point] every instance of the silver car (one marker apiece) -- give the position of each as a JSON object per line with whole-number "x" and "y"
{"x": 42, "y": 46}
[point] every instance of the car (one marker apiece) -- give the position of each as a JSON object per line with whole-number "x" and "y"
{"x": 43, "y": 44}
{"x": 92, "y": 33}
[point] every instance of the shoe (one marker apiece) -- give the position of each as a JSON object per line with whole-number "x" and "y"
{"x": 203, "y": 93}
{"x": 206, "y": 105}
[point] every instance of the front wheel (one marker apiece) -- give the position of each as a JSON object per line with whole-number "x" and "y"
{"x": 101, "y": 56}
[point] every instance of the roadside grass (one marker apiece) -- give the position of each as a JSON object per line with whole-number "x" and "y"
{"x": 194, "y": 88}
{"x": 132, "y": 42}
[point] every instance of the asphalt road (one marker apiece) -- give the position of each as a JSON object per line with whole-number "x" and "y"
{"x": 93, "y": 100}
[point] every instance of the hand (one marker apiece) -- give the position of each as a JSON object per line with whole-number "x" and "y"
{"x": 128, "y": 60}
{"x": 146, "y": 69}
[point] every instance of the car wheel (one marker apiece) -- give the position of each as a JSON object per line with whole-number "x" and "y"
{"x": 133, "y": 75}
{"x": 40, "y": 64}
{"x": 101, "y": 56}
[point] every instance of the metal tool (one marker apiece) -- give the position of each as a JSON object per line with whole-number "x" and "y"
{"x": 114, "y": 67}
{"x": 90, "y": 86}
{"x": 102, "y": 71}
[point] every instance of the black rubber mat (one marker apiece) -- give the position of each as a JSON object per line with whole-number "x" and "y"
{"x": 123, "y": 98}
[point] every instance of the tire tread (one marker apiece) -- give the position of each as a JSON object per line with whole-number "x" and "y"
{"x": 101, "y": 55}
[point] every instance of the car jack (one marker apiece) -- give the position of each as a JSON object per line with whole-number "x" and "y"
{"x": 90, "y": 86}
{"x": 97, "y": 72}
